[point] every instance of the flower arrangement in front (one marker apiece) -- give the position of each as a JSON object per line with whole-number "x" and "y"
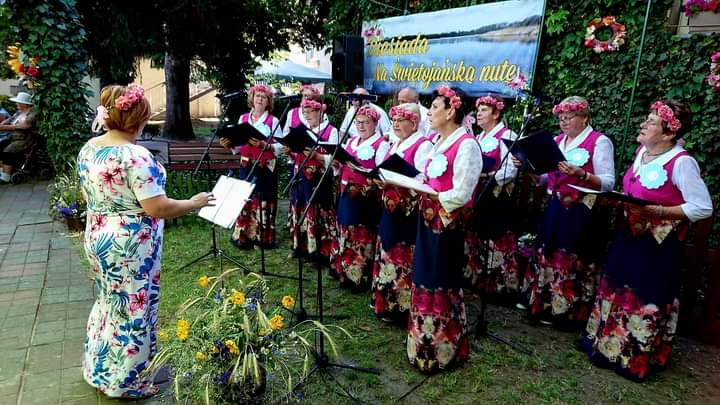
{"x": 66, "y": 199}
{"x": 24, "y": 66}
{"x": 613, "y": 43}
{"x": 713, "y": 78}
{"x": 232, "y": 344}
{"x": 692, "y": 7}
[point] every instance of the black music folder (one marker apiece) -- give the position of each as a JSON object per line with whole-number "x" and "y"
{"x": 240, "y": 134}
{"x": 342, "y": 155}
{"x": 297, "y": 139}
{"x": 614, "y": 195}
{"x": 537, "y": 151}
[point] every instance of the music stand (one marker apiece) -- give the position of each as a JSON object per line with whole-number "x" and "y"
{"x": 482, "y": 325}
{"x": 215, "y": 252}
{"x": 249, "y": 175}
{"x": 322, "y": 362}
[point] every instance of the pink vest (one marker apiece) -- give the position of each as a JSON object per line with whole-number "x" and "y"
{"x": 444, "y": 181}
{"x": 324, "y": 136}
{"x": 350, "y": 176}
{"x": 409, "y": 154}
{"x": 667, "y": 194}
{"x": 432, "y": 136}
{"x": 253, "y": 152}
{"x": 495, "y": 153}
{"x": 558, "y": 182}
{"x": 295, "y": 117}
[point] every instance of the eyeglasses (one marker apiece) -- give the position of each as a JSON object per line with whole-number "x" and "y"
{"x": 566, "y": 118}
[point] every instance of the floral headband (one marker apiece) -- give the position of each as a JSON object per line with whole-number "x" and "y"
{"x": 310, "y": 87}
{"x": 399, "y": 112}
{"x": 446, "y": 91}
{"x": 261, "y": 88}
{"x": 315, "y": 105}
{"x": 132, "y": 95}
{"x": 666, "y": 114}
{"x": 491, "y": 101}
{"x": 369, "y": 112}
{"x": 570, "y": 107}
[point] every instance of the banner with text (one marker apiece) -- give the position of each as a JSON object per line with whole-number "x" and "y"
{"x": 477, "y": 49}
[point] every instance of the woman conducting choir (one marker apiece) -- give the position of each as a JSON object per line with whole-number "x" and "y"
{"x": 314, "y": 235}
{"x": 247, "y": 231}
{"x": 493, "y": 213}
{"x": 634, "y": 320}
{"x": 398, "y": 221}
{"x": 436, "y": 326}
{"x": 359, "y": 204}
{"x": 124, "y": 187}
{"x": 562, "y": 275}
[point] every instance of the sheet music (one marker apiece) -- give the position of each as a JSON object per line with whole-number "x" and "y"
{"x": 231, "y": 195}
{"x": 399, "y": 180}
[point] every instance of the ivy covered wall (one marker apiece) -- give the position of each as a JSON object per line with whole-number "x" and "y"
{"x": 51, "y": 32}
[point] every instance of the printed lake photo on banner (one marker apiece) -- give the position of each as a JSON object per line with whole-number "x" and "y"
{"x": 490, "y": 44}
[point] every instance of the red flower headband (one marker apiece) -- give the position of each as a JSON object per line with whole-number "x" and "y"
{"x": 261, "y": 88}
{"x": 399, "y": 112}
{"x": 315, "y": 105}
{"x": 491, "y": 101}
{"x": 446, "y": 91}
{"x": 570, "y": 107}
{"x": 369, "y": 112}
{"x": 666, "y": 114}
{"x": 310, "y": 87}
{"x": 132, "y": 95}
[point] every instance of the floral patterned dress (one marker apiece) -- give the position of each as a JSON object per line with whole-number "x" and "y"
{"x": 124, "y": 246}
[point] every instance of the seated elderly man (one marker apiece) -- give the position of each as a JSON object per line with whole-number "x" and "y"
{"x": 384, "y": 126}
{"x": 411, "y": 95}
{"x": 20, "y": 128}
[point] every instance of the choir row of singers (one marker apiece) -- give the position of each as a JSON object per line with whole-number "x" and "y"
{"x": 420, "y": 253}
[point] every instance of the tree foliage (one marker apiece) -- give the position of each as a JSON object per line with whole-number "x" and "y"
{"x": 52, "y": 32}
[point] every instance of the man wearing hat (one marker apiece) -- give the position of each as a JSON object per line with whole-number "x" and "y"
{"x": 20, "y": 128}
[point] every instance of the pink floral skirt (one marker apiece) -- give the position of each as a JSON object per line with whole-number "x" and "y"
{"x": 436, "y": 329}
{"x": 392, "y": 281}
{"x": 246, "y": 232}
{"x": 353, "y": 256}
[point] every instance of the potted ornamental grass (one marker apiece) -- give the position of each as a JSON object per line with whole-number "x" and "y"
{"x": 233, "y": 344}
{"x": 67, "y": 201}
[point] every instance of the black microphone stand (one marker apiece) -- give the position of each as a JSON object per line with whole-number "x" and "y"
{"x": 250, "y": 175}
{"x": 322, "y": 362}
{"x": 215, "y": 252}
{"x": 481, "y": 328}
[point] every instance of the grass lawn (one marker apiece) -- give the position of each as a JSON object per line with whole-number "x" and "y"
{"x": 494, "y": 373}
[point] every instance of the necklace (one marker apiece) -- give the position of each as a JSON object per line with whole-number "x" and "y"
{"x": 654, "y": 155}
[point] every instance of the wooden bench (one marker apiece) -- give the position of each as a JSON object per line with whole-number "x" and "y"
{"x": 185, "y": 155}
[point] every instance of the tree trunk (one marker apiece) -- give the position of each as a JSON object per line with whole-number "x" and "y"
{"x": 177, "y": 98}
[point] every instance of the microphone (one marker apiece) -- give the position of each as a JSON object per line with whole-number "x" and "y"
{"x": 233, "y": 95}
{"x": 358, "y": 97}
{"x": 289, "y": 97}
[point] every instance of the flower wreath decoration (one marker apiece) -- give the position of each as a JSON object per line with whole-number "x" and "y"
{"x": 612, "y": 44}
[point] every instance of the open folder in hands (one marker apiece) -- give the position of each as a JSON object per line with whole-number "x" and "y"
{"x": 231, "y": 195}
{"x": 613, "y": 195}
{"x": 397, "y": 179}
{"x": 537, "y": 151}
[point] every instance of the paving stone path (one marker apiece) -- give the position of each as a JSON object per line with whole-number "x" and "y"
{"x": 45, "y": 299}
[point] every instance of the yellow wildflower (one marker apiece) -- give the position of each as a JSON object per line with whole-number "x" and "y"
{"x": 277, "y": 321}
{"x": 232, "y": 347}
{"x": 288, "y": 302}
{"x": 163, "y": 336}
{"x": 200, "y": 356}
{"x": 182, "y": 329}
{"x": 203, "y": 281}
{"x": 237, "y": 298}
{"x": 214, "y": 349}
{"x": 263, "y": 332}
